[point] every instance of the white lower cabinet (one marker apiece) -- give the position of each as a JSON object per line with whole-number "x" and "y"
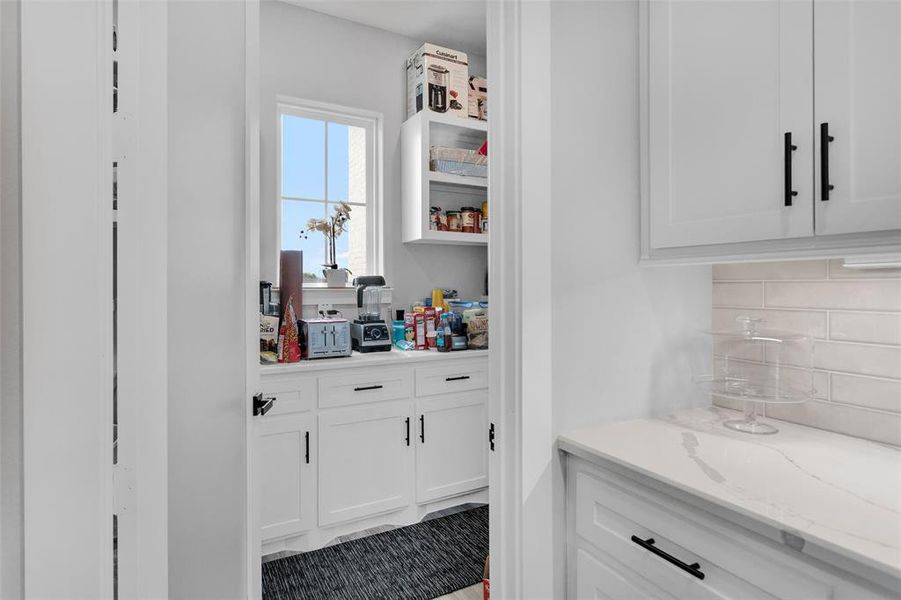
{"x": 451, "y": 445}
{"x": 365, "y": 461}
{"x": 284, "y": 457}
{"x": 595, "y": 579}
{"x": 628, "y": 540}
{"x": 348, "y": 449}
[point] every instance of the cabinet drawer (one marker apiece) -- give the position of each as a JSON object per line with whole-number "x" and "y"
{"x": 292, "y": 396}
{"x": 449, "y": 378}
{"x": 609, "y": 511}
{"x": 362, "y": 386}
{"x": 597, "y": 576}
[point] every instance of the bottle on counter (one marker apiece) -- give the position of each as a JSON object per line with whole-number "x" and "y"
{"x": 443, "y": 335}
{"x": 398, "y": 327}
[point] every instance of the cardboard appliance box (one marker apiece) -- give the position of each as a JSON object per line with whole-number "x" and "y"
{"x": 438, "y": 80}
{"x": 478, "y": 98}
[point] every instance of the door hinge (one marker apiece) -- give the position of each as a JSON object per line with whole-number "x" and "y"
{"x": 261, "y": 405}
{"x": 123, "y": 488}
{"x": 491, "y": 437}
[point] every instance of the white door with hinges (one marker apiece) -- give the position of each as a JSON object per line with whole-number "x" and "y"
{"x": 857, "y": 47}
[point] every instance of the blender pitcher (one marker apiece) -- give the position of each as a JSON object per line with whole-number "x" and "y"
{"x": 371, "y": 307}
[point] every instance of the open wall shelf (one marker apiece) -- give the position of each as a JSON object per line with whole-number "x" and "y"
{"x": 422, "y": 188}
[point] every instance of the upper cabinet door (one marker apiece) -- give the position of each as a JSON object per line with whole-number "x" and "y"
{"x": 858, "y": 95}
{"x": 726, "y": 82}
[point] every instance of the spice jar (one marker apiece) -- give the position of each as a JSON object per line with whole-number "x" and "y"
{"x": 454, "y": 222}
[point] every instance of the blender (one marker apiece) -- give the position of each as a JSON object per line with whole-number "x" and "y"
{"x": 369, "y": 332}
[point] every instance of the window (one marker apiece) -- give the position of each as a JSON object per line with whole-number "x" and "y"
{"x": 327, "y": 156}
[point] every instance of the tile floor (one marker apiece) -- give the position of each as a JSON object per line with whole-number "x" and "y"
{"x": 470, "y": 593}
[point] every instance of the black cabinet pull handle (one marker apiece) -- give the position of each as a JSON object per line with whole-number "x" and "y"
{"x": 457, "y": 378}
{"x": 262, "y": 405}
{"x": 407, "y": 439}
{"x": 422, "y": 428}
{"x": 306, "y": 437}
{"x": 789, "y": 148}
{"x": 825, "y": 138}
{"x": 648, "y": 544}
{"x": 368, "y": 387}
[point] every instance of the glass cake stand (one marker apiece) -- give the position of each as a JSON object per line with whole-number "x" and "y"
{"x": 755, "y": 367}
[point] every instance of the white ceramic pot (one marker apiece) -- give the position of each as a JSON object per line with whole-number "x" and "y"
{"x": 335, "y": 277}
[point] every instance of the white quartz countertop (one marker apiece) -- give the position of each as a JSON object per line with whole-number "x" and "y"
{"x": 371, "y": 359}
{"x": 837, "y": 492}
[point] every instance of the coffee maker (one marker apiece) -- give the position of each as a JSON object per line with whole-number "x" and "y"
{"x": 369, "y": 332}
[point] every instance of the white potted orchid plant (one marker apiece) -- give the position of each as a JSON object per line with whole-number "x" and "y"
{"x": 331, "y": 228}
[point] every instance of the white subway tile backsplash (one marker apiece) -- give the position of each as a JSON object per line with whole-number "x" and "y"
{"x": 882, "y": 394}
{"x": 799, "y": 269}
{"x": 854, "y": 317}
{"x": 837, "y": 271}
{"x": 851, "y": 420}
{"x": 738, "y": 294}
{"x": 874, "y": 328}
{"x": 879, "y": 361}
{"x": 882, "y": 295}
{"x": 813, "y": 323}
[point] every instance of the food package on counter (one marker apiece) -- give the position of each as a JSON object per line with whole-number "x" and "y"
{"x": 420, "y": 340}
{"x": 289, "y": 337}
{"x": 268, "y": 339}
{"x": 431, "y": 320}
{"x": 477, "y": 331}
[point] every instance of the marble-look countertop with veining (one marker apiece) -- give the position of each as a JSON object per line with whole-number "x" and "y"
{"x": 837, "y": 492}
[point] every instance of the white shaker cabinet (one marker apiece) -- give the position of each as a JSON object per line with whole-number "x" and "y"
{"x": 451, "y": 448}
{"x": 285, "y": 459}
{"x": 858, "y": 98}
{"x": 627, "y": 540}
{"x": 372, "y": 440}
{"x": 726, "y": 81}
{"x": 365, "y": 461}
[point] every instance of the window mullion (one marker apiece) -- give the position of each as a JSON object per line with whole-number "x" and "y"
{"x": 325, "y": 178}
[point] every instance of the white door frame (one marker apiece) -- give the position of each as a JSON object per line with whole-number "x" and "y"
{"x": 253, "y": 535}
{"x": 70, "y": 139}
{"x": 504, "y": 268}
{"x": 140, "y": 142}
{"x": 67, "y": 307}
{"x": 505, "y": 395}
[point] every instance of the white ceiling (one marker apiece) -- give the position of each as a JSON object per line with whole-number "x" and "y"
{"x": 457, "y": 24}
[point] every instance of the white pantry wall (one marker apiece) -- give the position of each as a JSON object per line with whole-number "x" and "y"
{"x": 313, "y": 56}
{"x": 207, "y": 355}
{"x": 618, "y": 327}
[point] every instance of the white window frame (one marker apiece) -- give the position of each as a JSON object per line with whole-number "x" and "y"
{"x": 372, "y": 122}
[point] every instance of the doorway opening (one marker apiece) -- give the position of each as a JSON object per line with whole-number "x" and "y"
{"x": 368, "y": 458}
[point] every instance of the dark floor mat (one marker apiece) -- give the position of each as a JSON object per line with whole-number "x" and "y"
{"x": 419, "y": 562}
